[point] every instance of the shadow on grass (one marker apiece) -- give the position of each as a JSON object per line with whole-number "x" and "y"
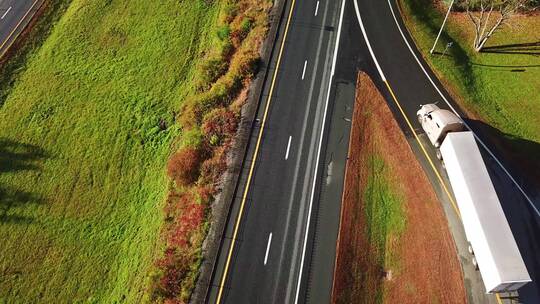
{"x": 519, "y": 155}
{"x": 530, "y": 48}
{"x": 16, "y": 157}
{"x": 506, "y": 66}
{"x": 425, "y": 13}
{"x": 12, "y": 198}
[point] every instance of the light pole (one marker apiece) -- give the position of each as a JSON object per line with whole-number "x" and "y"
{"x": 442, "y": 26}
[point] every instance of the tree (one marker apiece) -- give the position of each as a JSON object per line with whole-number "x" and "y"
{"x": 487, "y": 16}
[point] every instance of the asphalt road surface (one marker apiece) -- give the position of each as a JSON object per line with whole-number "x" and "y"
{"x": 270, "y": 244}
{"x": 14, "y": 16}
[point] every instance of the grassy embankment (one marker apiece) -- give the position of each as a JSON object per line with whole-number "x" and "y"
{"x": 209, "y": 118}
{"x": 498, "y": 87}
{"x": 394, "y": 244}
{"x": 87, "y": 122}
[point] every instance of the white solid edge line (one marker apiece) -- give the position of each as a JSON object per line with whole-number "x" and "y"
{"x": 288, "y": 148}
{"x": 317, "y": 8}
{"x": 454, "y": 110}
{"x": 4, "y": 15}
{"x": 367, "y": 41}
{"x": 304, "y": 70}
{"x": 268, "y": 248}
{"x": 319, "y": 154}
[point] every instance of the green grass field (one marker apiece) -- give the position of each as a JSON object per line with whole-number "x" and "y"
{"x": 385, "y": 216}
{"x": 501, "y": 85}
{"x": 384, "y": 211}
{"x": 85, "y": 131}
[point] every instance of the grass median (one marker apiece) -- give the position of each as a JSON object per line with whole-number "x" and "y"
{"x": 88, "y": 119}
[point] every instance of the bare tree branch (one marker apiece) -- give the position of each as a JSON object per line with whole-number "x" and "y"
{"x": 480, "y": 13}
{"x": 487, "y": 20}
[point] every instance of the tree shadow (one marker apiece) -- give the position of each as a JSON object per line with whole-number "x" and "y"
{"x": 10, "y": 199}
{"x": 520, "y": 156}
{"x": 425, "y": 12}
{"x": 529, "y": 48}
{"x": 16, "y": 157}
{"x": 506, "y": 66}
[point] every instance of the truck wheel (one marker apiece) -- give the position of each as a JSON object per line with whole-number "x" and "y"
{"x": 475, "y": 263}
{"x": 439, "y": 155}
{"x": 471, "y": 251}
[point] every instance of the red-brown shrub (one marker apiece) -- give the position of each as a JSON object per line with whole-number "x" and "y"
{"x": 183, "y": 167}
{"x": 175, "y": 268}
{"x": 173, "y": 301}
{"x": 205, "y": 193}
{"x": 220, "y": 124}
{"x": 213, "y": 168}
{"x": 191, "y": 218}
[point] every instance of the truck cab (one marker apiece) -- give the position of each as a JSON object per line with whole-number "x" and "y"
{"x": 437, "y": 122}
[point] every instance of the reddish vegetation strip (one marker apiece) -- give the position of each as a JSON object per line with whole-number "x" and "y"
{"x": 429, "y": 270}
{"x": 209, "y": 121}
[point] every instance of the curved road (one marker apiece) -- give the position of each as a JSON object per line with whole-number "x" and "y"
{"x": 410, "y": 83}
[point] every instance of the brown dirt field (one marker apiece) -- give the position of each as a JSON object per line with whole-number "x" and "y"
{"x": 429, "y": 269}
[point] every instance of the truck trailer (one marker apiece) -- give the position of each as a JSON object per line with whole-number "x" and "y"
{"x": 494, "y": 249}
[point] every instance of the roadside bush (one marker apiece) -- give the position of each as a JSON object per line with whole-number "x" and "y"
{"x": 183, "y": 237}
{"x": 192, "y": 216}
{"x": 219, "y": 126}
{"x": 224, "y": 32}
{"x": 183, "y": 167}
{"x": 230, "y": 10}
{"x": 240, "y": 30}
{"x": 192, "y": 137}
{"x": 204, "y": 194}
{"x": 213, "y": 168}
{"x": 175, "y": 268}
{"x": 209, "y": 71}
{"x": 245, "y": 26}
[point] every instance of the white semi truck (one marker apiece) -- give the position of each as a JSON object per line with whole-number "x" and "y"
{"x": 494, "y": 249}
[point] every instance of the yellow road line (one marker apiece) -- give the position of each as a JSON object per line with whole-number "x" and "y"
{"x": 14, "y": 30}
{"x": 423, "y": 149}
{"x": 255, "y": 156}
{"x": 498, "y": 298}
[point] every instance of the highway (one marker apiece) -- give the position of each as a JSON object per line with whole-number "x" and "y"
{"x": 279, "y": 245}
{"x": 14, "y": 16}
{"x": 270, "y": 242}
